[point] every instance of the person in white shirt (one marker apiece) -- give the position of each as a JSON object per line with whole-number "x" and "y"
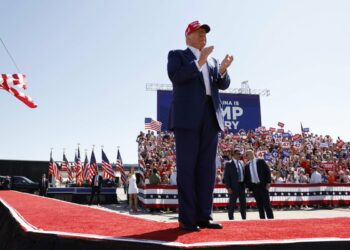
{"x": 316, "y": 177}
{"x": 173, "y": 176}
{"x": 196, "y": 118}
{"x": 258, "y": 180}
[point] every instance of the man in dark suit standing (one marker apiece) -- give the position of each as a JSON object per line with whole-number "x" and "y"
{"x": 258, "y": 179}
{"x": 234, "y": 182}
{"x": 196, "y": 118}
{"x": 43, "y": 185}
{"x": 96, "y": 184}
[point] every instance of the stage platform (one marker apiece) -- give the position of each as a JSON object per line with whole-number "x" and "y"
{"x": 81, "y": 195}
{"x": 33, "y": 222}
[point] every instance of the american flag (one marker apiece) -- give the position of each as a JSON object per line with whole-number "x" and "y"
{"x": 120, "y": 167}
{"x": 142, "y": 167}
{"x": 9, "y": 82}
{"x": 78, "y": 168}
{"x": 107, "y": 167}
{"x": 151, "y": 124}
{"x": 65, "y": 167}
{"x": 92, "y": 167}
{"x": 86, "y": 168}
{"x": 53, "y": 170}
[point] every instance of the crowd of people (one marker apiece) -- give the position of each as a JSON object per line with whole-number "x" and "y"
{"x": 157, "y": 153}
{"x": 292, "y": 158}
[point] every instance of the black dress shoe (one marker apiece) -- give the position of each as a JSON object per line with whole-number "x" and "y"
{"x": 190, "y": 228}
{"x": 209, "y": 224}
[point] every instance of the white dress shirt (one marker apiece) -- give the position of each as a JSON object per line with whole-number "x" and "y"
{"x": 240, "y": 171}
{"x": 316, "y": 177}
{"x": 173, "y": 178}
{"x": 204, "y": 69}
{"x": 254, "y": 171}
{"x": 96, "y": 181}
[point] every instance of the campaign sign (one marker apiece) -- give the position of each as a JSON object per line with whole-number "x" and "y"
{"x": 328, "y": 165}
{"x": 265, "y": 133}
{"x": 297, "y": 144}
{"x": 285, "y": 153}
{"x": 236, "y": 137}
{"x": 296, "y": 137}
{"x": 268, "y": 157}
{"x": 274, "y": 153}
{"x": 260, "y": 154}
{"x": 239, "y": 111}
{"x": 286, "y": 135}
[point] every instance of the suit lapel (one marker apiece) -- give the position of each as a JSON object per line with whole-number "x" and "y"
{"x": 211, "y": 71}
{"x": 190, "y": 56}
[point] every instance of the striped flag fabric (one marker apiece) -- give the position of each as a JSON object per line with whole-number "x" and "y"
{"x": 78, "y": 168}
{"x": 142, "y": 167}
{"x": 151, "y": 124}
{"x": 107, "y": 167}
{"x": 9, "y": 82}
{"x": 53, "y": 170}
{"x": 86, "y": 168}
{"x": 64, "y": 163}
{"x": 65, "y": 167}
{"x": 92, "y": 167}
{"x": 120, "y": 167}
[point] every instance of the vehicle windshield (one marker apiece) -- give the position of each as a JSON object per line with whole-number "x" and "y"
{"x": 26, "y": 179}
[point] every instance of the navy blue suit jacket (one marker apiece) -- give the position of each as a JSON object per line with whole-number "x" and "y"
{"x": 264, "y": 173}
{"x": 189, "y": 90}
{"x": 231, "y": 176}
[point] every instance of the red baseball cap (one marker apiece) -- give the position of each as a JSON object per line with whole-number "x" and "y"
{"x": 195, "y": 25}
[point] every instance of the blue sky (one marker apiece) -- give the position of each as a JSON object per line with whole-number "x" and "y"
{"x": 88, "y": 61}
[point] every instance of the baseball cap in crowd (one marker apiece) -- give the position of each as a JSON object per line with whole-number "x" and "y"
{"x": 195, "y": 25}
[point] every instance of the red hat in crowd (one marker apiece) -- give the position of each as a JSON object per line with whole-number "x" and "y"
{"x": 195, "y": 26}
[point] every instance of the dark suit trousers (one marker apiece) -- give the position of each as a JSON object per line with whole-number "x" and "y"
{"x": 240, "y": 194}
{"x": 95, "y": 190}
{"x": 195, "y": 161}
{"x": 261, "y": 195}
{"x": 43, "y": 191}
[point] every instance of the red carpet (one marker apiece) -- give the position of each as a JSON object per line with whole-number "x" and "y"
{"x": 54, "y": 215}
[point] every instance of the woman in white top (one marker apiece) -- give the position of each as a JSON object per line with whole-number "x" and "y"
{"x": 132, "y": 190}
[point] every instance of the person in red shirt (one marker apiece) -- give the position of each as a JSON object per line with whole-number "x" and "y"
{"x": 305, "y": 164}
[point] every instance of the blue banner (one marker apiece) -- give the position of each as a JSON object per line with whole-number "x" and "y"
{"x": 240, "y": 111}
{"x": 274, "y": 153}
{"x": 285, "y": 153}
{"x": 268, "y": 157}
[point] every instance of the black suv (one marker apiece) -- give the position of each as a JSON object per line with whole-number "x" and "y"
{"x": 23, "y": 184}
